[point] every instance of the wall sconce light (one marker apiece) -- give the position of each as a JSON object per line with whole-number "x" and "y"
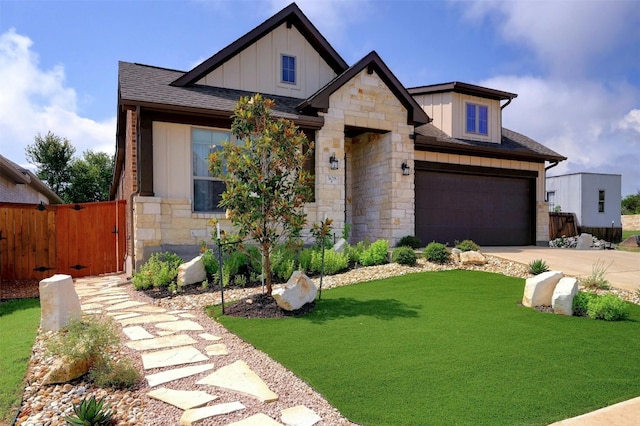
{"x": 333, "y": 161}
{"x": 406, "y": 170}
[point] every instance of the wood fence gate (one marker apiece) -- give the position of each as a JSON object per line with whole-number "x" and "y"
{"x": 37, "y": 241}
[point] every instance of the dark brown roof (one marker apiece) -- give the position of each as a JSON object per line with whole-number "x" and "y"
{"x": 372, "y": 62}
{"x": 514, "y": 146}
{"x": 291, "y": 15}
{"x": 150, "y": 87}
{"x": 464, "y": 88}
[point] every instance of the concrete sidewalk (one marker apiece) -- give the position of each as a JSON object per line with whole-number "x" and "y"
{"x": 623, "y": 267}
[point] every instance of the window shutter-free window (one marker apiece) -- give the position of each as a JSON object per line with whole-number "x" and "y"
{"x": 288, "y": 69}
{"x": 477, "y": 119}
{"x": 207, "y": 189}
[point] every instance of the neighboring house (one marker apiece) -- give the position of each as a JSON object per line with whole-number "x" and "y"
{"x": 19, "y": 185}
{"x": 595, "y": 198}
{"x": 430, "y": 161}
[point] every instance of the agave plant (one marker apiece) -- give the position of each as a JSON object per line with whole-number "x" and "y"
{"x": 538, "y": 266}
{"x": 90, "y": 412}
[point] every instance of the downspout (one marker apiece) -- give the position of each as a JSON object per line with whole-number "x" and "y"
{"x": 552, "y": 165}
{"x": 135, "y": 193}
{"x": 505, "y": 105}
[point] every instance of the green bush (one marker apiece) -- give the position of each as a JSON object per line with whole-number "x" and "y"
{"x": 608, "y": 307}
{"x": 538, "y": 266}
{"x": 467, "y": 245}
{"x": 410, "y": 241}
{"x": 354, "y": 252}
{"x": 283, "y": 263}
{"x": 210, "y": 261}
{"x": 333, "y": 262}
{"x": 159, "y": 271}
{"x": 404, "y": 256}
{"x": 376, "y": 254}
{"x": 84, "y": 340}
{"x": 581, "y": 303}
{"x": 304, "y": 260}
{"x": 436, "y": 252}
{"x": 115, "y": 374}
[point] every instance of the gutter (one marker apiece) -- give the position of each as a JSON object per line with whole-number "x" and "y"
{"x": 552, "y": 165}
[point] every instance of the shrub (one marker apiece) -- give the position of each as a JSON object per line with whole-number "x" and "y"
{"x": 597, "y": 278}
{"x": 120, "y": 374}
{"x": 85, "y": 340}
{"x": 538, "y": 266}
{"x": 334, "y": 262}
{"x": 283, "y": 263}
{"x": 436, "y": 252}
{"x": 159, "y": 271}
{"x": 210, "y": 261}
{"x": 304, "y": 260}
{"x": 410, "y": 241}
{"x": 608, "y": 307}
{"x": 404, "y": 256}
{"x": 90, "y": 412}
{"x": 376, "y": 254}
{"x": 354, "y": 252}
{"x": 467, "y": 245}
{"x": 581, "y": 303}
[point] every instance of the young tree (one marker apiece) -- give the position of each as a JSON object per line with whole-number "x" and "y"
{"x": 266, "y": 183}
{"x": 52, "y": 156}
{"x": 90, "y": 178}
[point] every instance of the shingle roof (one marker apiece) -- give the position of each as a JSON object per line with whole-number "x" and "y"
{"x": 150, "y": 86}
{"x": 513, "y": 145}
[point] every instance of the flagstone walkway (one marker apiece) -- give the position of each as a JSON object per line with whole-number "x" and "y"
{"x": 175, "y": 349}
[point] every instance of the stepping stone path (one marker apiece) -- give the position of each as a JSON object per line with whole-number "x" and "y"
{"x": 163, "y": 343}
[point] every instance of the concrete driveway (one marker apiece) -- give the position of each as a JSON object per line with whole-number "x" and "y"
{"x": 623, "y": 266}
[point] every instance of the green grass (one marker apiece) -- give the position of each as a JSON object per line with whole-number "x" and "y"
{"x": 19, "y": 325}
{"x": 451, "y": 348}
{"x": 627, "y": 234}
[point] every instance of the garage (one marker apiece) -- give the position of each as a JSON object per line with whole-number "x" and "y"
{"x": 493, "y": 207}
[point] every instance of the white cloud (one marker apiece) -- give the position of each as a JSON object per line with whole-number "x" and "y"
{"x": 596, "y": 127}
{"x": 567, "y": 36}
{"x": 37, "y": 101}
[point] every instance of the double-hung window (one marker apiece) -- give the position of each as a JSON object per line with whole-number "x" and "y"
{"x": 207, "y": 189}
{"x": 477, "y": 119}
{"x": 289, "y": 69}
{"x": 551, "y": 199}
{"x": 601, "y": 201}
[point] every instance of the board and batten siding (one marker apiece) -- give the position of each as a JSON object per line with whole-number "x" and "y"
{"x": 448, "y": 111}
{"x": 172, "y": 160}
{"x": 257, "y": 68}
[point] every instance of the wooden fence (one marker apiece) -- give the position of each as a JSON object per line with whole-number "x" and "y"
{"x": 37, "y": 241}
{"x": 562, "y": 224}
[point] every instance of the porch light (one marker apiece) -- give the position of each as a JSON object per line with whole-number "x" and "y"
{"x": 333, "y": 161}
{"x": 406, "y": 170}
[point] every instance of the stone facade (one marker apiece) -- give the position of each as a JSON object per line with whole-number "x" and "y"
{"x": 368, "y": 190}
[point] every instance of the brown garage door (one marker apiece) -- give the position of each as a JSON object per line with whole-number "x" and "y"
{"x": 490, "y": 210}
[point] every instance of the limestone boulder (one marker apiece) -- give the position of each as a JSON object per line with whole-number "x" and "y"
{"x": 538, "y": 290}
{"x": 455, "y": 253}
{"x": 298, "y": 291}
{"x": 472, "y": 258}
{"x": 339, "y": 246}
{"x": 63, "y": 371}
{"x": 59, "y": 302}
{"x": 585, "y": 241}
{"x": 562, "y": 299}
{"x": 192, "y": 272}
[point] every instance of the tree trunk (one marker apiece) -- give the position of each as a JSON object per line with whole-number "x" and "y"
{"x": 267, "y": 267}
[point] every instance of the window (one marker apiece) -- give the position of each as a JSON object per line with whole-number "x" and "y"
{"x": 288, "y": 69}
{"x": 551, "y": 199}
{"x": 207, "y": 189}
{"x": 477, "y": 119}
{"x": 601, "y": 201}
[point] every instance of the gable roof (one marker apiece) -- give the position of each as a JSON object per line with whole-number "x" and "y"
{"x": 513, "y": 146}
{"x": 372, "y": 62}
{"x": 21, "y": 176}
{"x": 464, "y": 88}
{"x": 291, "y": 15}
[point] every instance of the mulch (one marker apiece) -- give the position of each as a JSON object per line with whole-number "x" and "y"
{"x": 19, "y": 289}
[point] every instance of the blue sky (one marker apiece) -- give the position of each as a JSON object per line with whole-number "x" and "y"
{"x": 575, "y": 64}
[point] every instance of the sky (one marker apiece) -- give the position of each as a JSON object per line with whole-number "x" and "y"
{"x": 575, "y": 64}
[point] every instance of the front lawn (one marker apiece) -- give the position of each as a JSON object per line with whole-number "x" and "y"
{"x": 19, "y": 321}
{"x": 451, "y": 347}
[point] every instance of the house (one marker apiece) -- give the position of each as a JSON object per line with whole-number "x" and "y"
{"x": 19, "y": 185}
{"x": 595, "y": 198}
{"x": 432, "y": 161}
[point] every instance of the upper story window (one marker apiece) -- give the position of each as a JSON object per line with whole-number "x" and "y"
{"x": 601, "y": 201}
{"x": 207, "y": 189}
{"x": 551, "y": 199}
{"x": 477, "y": 119}
{"x": 288, "y": 69}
